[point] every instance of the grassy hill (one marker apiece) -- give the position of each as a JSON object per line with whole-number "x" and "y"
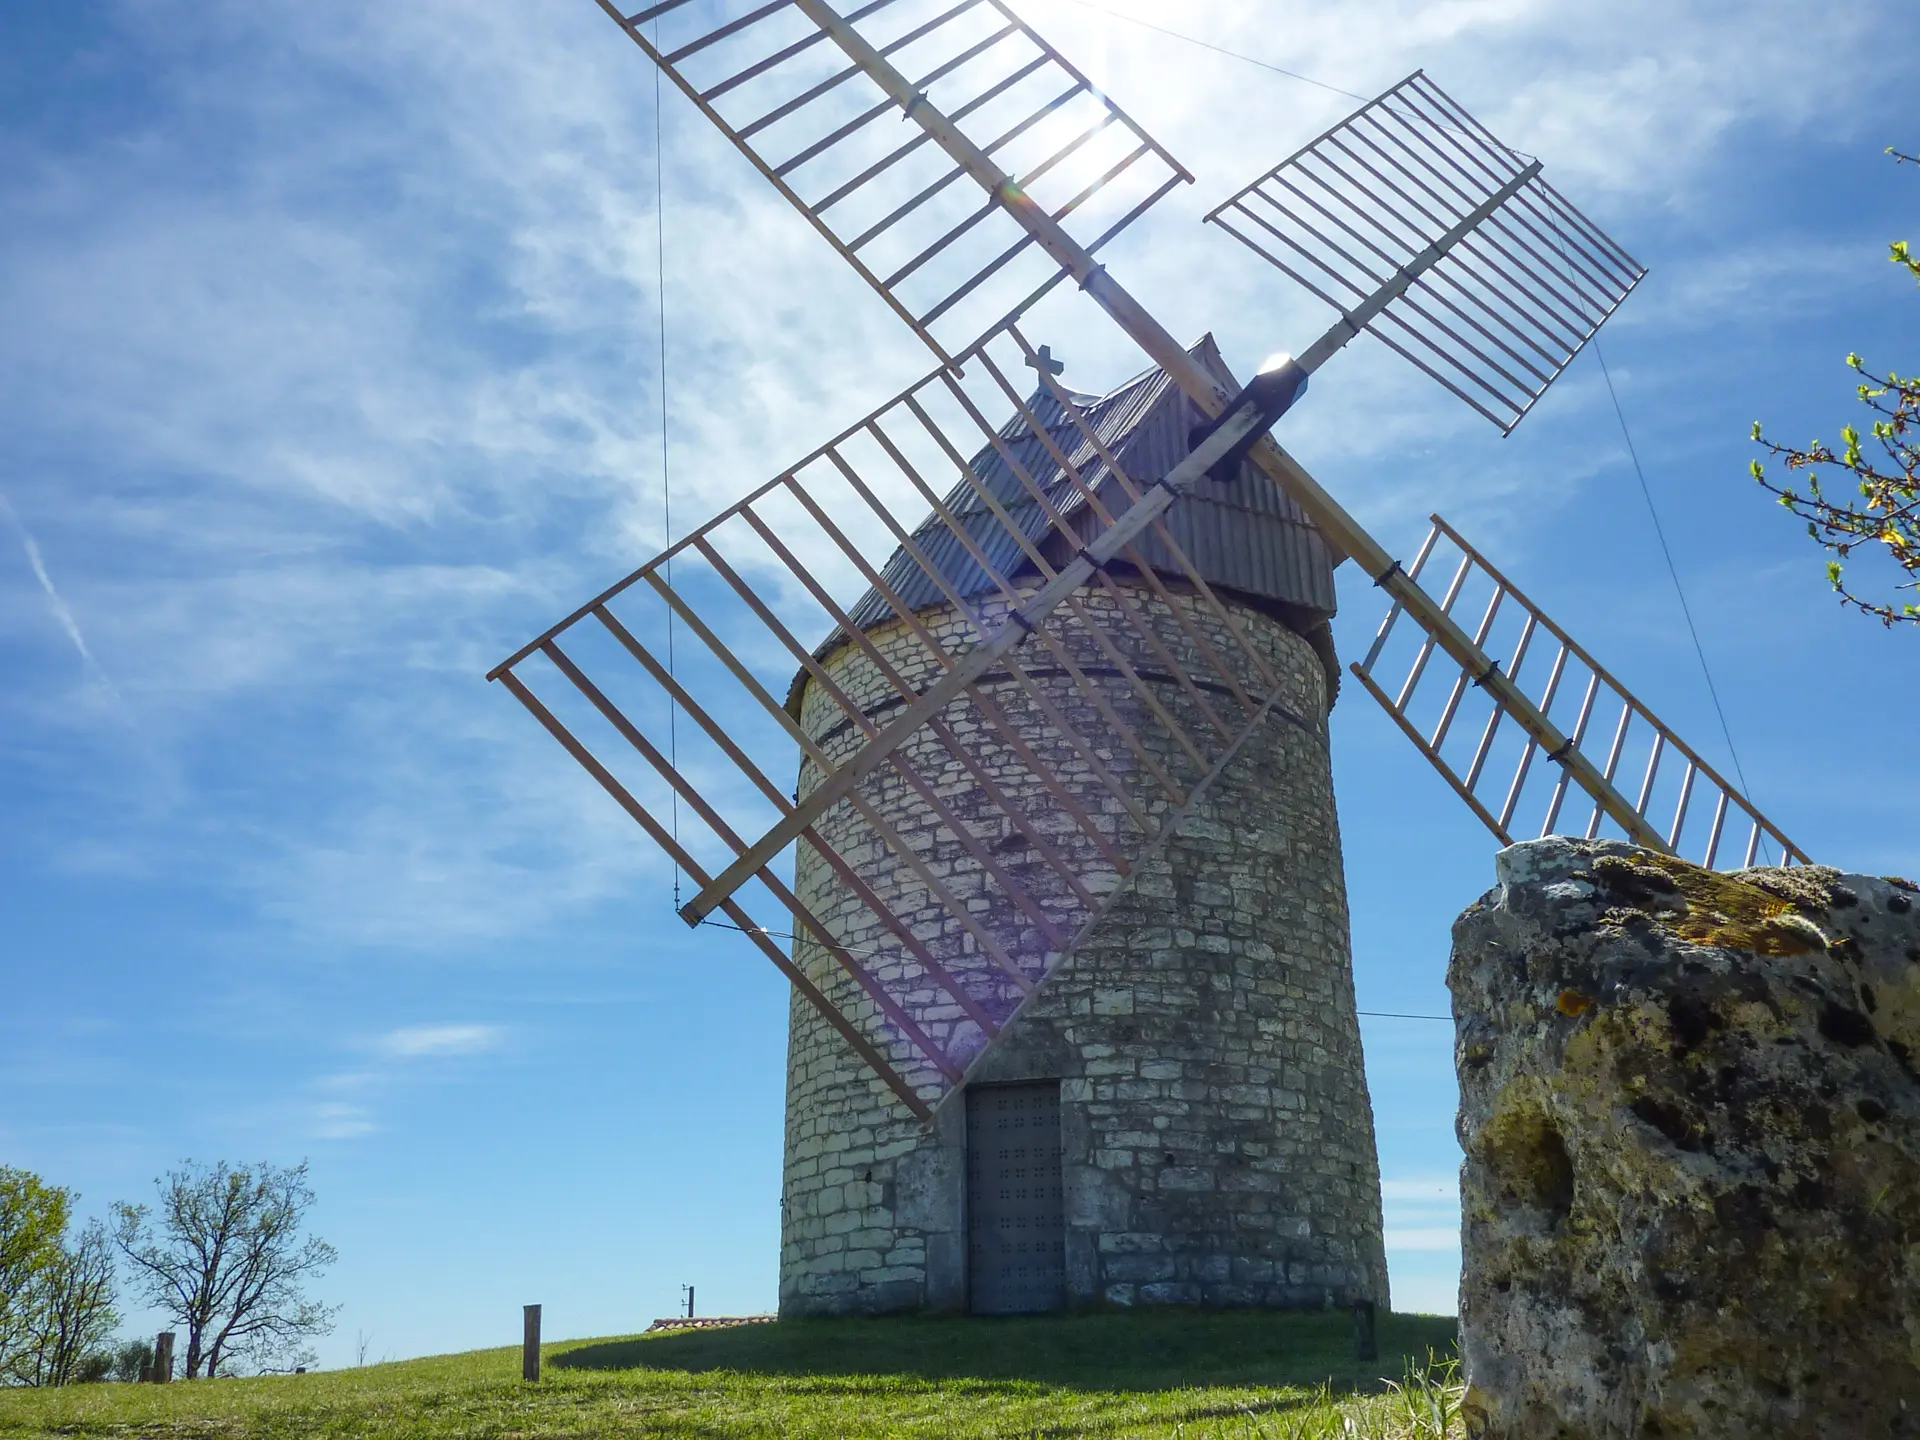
{"x": 1165, "y": 1374}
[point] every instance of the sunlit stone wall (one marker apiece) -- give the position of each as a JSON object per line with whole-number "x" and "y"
{"x": 1217, "y": 1135}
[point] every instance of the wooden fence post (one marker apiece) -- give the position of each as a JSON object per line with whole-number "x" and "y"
{"x": 163, "y": 1358}
{"x": 530, "y": 1344}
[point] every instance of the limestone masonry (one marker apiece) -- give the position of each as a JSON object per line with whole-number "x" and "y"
{"x": 1216, "y": 1135}
{"x": 1690, "y": 1105}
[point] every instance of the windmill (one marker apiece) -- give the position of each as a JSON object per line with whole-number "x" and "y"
{"x": 1058, "y": 889}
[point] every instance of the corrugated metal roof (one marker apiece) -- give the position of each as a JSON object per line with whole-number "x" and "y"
{"x": 1245, "y": 535}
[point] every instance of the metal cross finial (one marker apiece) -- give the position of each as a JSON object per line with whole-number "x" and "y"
{"x": 1042, "y": 359}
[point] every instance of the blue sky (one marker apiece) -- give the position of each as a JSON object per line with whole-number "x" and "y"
{"x": 330, "y": 374}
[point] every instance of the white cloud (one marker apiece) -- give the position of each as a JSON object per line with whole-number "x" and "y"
{"x": 337, "y": 1120}
{"x": 412, "y": 1041}
{"x": 1422, "y": 1214}
{"x": 397, "y": 435}
{"x": 1632, "y": 98}
{"x": 1438, "y": 1189}
{"x": 62, "y": 612}
{"x": 346, "y": 1107}
{"x": 1757, "y": 284}
{"x": 1423, "y": 1237}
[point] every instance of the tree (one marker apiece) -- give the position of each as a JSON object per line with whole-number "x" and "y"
{"x": 224, "y": 1256}
{"x": 33, "y": 1217}
{"x": 71, "y": 1311}
{"x": 56, "y": 1297}
{"x": 94, "y": 1366}
{"x": 128, "y": 1361}
{"x": 1887, "y": 476}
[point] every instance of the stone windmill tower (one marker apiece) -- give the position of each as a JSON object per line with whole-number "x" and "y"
{"x": 1059, "y": 890}
{"x": 1183, "y": 1116}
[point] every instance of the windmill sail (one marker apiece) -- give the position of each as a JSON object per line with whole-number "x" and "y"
{"x": 825, "y": 133}
{"x": 1506, "y": 309}
{"x": 1017, "y": 796}
{"x": 1506, "y": 776}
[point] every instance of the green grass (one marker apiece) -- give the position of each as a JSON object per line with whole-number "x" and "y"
{"x": 1244, "y": 1375}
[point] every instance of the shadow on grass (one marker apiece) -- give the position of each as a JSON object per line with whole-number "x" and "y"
{"x": 1152, "y": 1350}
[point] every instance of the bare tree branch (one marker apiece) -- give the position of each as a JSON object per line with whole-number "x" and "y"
{"x": 226, "y": 1260}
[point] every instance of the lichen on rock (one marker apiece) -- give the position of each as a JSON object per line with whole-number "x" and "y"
{"x": 1690, "y": 1105}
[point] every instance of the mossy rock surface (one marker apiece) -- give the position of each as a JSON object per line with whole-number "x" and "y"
{"x": 1691, "y": 1114}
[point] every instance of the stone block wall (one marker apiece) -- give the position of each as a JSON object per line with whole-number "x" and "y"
{"x": 1217, "y": 1134}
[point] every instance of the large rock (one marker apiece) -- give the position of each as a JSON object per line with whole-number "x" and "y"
{"x": 1690, "y": 1104}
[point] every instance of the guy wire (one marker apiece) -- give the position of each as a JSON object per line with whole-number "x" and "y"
{"x": 666, "y": 485}
{"x": 1250, "y": 60}
{"x": 1217, "y": 49}
{"x": 1673, "y": 571}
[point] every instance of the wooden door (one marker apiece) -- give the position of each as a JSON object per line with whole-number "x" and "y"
{"x": 1016, "y": 1228}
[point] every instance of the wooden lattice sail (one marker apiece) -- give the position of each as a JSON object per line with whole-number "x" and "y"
{"x": 1504, "y": 311}
{"x": 1682, "y": 804}
{"x": 815, "y": 100}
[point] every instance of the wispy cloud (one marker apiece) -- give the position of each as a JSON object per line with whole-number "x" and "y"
{"x": 1423, "y": 1212}
{"x": 56, "y": 602}
{"x": 1423, "y": 1237}
{"x": 413, "y": 1041}
{"x": 1759, "y": 285}
{"x": 1440, "y": 1190}
{"x": 61, "y": 610}
{"x": 347, "y": 1100}
{"x": 384, "y": 464}
{"x": 341, "y": 1120}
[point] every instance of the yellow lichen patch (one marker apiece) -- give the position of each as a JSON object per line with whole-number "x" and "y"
{"x": 1572, "y": 1002}
{"x": 1899, "y": 1014}
{"x": 1606, "y": 1058}
{"x": 1719, "y": 910}
{"x": 1524, "y": 1153}
{"x": 1476, "y": 1410}
{"x": 1616, "y": 1029}
{"x": 1750, "y": 1017}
